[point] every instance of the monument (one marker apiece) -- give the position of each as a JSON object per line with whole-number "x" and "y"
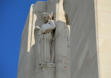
{"x": 59, "y": 41}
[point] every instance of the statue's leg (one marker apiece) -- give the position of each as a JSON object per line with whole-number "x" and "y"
{"x": 47, "y": 68}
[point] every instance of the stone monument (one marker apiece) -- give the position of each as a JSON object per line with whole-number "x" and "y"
{"x": 59, "y": 41}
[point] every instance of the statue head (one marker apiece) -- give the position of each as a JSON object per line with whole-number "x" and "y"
{"x": 47, "y": 17}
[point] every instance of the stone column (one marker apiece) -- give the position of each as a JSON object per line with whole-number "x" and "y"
{"x": 62, "y": 49}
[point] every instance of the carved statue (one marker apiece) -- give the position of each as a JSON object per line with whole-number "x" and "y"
{"x": 46, "y": 36}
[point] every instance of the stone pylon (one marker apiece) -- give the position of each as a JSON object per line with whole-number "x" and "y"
{"x": 75, "y": 41}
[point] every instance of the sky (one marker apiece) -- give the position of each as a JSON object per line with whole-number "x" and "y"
{"x": 13, "y": 15}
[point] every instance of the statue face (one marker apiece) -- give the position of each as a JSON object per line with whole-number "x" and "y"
{"x": 45, "y": 17}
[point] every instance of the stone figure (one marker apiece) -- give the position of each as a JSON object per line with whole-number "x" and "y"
{"x": 46, "y": 36}
{"x": 46, "y": 45}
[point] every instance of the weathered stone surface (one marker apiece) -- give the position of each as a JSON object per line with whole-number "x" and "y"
{"x": 83, "y": 38}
